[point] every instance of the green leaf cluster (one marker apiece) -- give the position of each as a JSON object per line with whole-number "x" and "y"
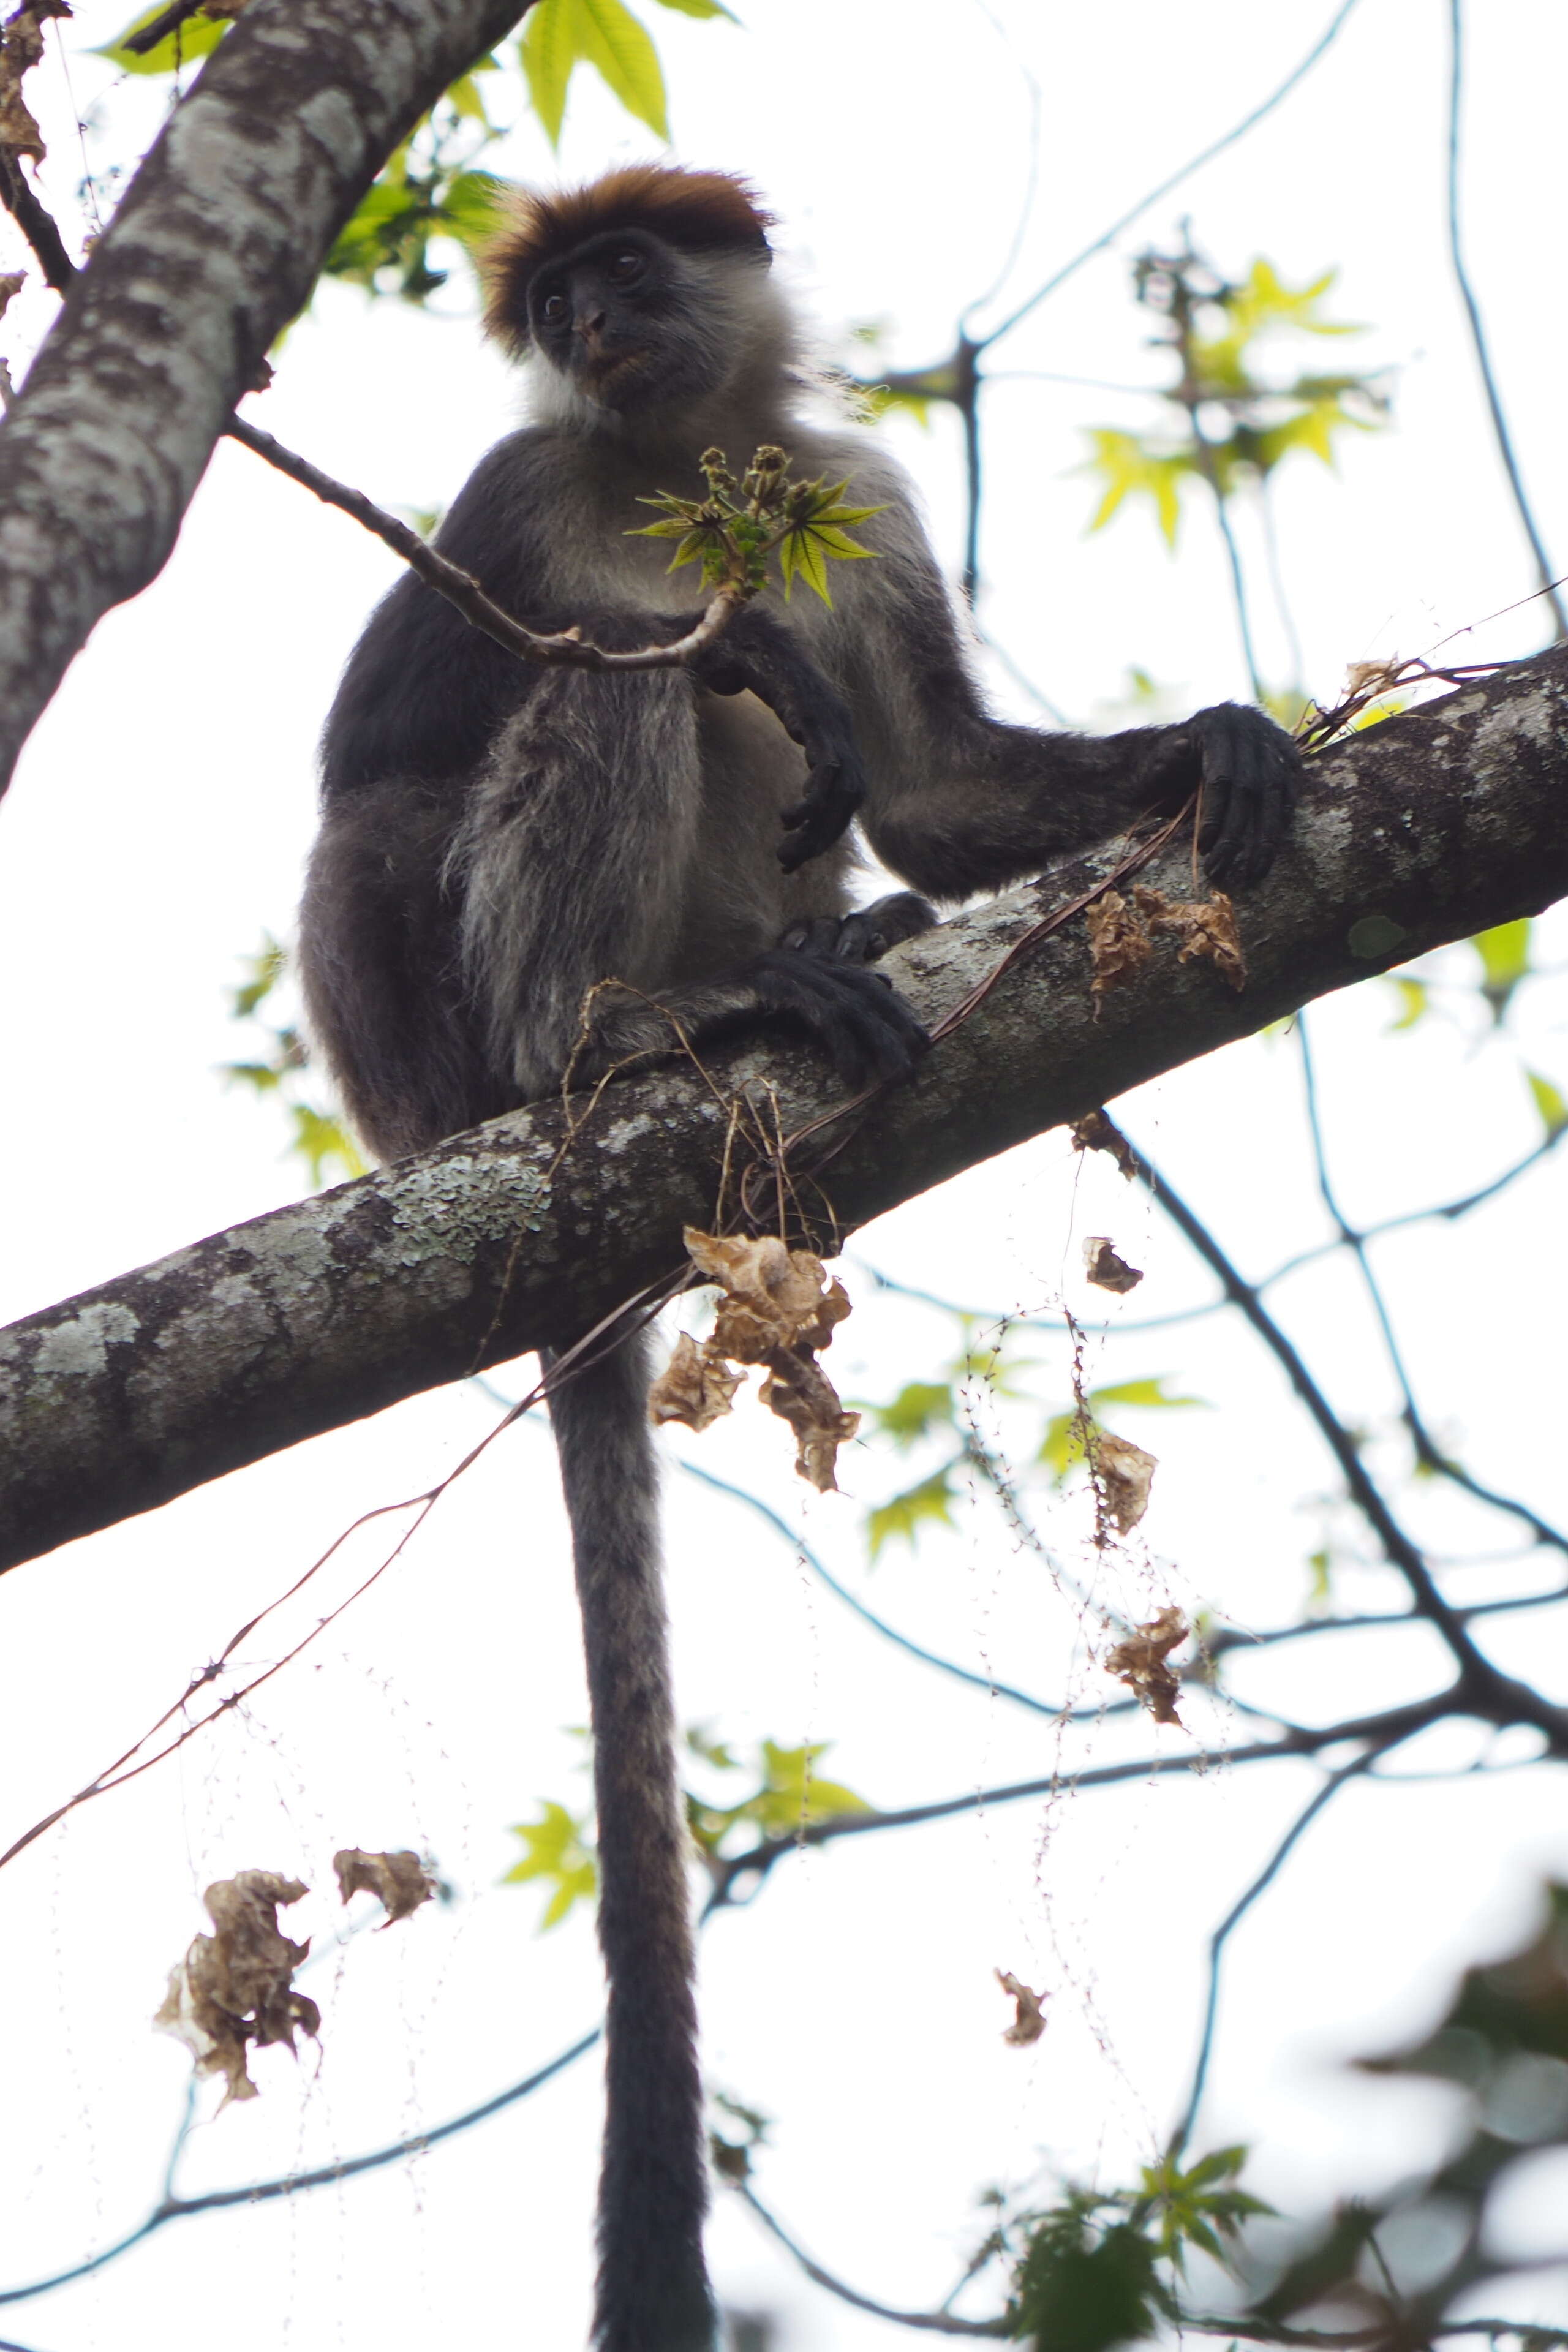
{"x": 790, "y": 1795}
{"x": 1213, "y": 331}
{"x": 1100, "y": 2268}
{"x": 318, "y": 1138}
{"x": 735, "y": 528}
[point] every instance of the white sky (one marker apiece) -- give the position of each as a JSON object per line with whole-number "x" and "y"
{"x": 158, "y": 825}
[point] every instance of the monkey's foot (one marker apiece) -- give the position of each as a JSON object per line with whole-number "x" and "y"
{"x": 856, "y": 1016}
{"x": 866, "y": 935}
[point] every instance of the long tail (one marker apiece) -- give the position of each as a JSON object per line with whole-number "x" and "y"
{"x": 653, "y": 2291}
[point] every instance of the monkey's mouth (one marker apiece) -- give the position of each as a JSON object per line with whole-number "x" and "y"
{"x": 607, "y": 372}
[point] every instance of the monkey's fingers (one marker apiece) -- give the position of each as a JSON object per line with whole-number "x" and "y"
{"x": 1251, "y": 776}
{"x": 834, "y": 791}
{"x": 868, "y": 933}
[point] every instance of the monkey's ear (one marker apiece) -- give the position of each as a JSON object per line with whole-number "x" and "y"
{"x": 701, "y": 212}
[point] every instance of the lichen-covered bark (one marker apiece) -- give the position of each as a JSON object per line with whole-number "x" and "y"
{"x": 215, "y": 247}
{"x": 1426, "y": 829}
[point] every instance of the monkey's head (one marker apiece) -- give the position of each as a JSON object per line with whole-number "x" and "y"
{"x": 645, "y": 290}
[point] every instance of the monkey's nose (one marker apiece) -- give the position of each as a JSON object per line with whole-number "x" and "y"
{"x": 590, "y": 327}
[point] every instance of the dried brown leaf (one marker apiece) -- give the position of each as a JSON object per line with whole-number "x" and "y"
{"x": 1095, "y": 1132}
{"x": 1124, "y": 1473}
{"x": 1371, "y": 677}
{"x": 236, "y": 1987}
{"x": 11, "y": 284}
{"x": 400, "y": 1880}
{"x": 774, "y": 1296}
{"x": 779, "y": 1306}
{"x": 1206, "y": 926}
{"x": 1119, "y": 942}
{"x": 1105, "y": 1269}
{"x": 696, "y": 1386}
{"x": 1139, "y": 1663}
{"x": 21, "y": 47}
{"x": 799, "y": 1392}
{"x": 1029, "y": 2019}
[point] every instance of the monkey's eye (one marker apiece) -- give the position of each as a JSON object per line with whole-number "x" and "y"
{"x": 625, "y": 266}
{"x": 553, "y": 308}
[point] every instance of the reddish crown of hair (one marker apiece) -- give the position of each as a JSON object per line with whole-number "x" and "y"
{"x": 705, "y": 211}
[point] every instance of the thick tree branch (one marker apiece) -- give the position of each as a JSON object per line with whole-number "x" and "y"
{"x": 215, "y": 247}
{"x": 1424, "y": 829}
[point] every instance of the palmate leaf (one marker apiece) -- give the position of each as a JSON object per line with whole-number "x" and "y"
{"x": 1129, "y": 467}
{"x": 1504, "y": 954}
{"x": 556, "y": 1851}
{"x": 919, "y": 1407}
{"x": 561, "y": 35}
{"x": 1062, "y": 1444}
{"x": 793, "y": 1794}
{"x": 319, "y": 1141}
{"x": 904, "y": 1515}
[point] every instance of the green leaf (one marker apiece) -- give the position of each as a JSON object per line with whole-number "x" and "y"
{"x": 556, "y": 1851}
{"x": 904, "y": 1515}
{"x": 196, "y": 38}
{"x": 263, "y": 1076}
{"x": 701, "y": 8}
{"x": 1129, "y": 467}
{"x": 561, "y": 35}
{"x": 1549, "y": 1102}
{"x": 1145, "y": 1392}
{"x": 1076, "y": 2292}
{"x": 320, "y": 1140}
{"x": 1416, "y": 1000}
{"x": 549, "y": 52}
{"x": 1062, "y": 1444}
{"x": 1504, "y": 954}
{"x": 265, "y": 969}
{"x": 919, "y": 1407}
{"x": 792, "y": 1794}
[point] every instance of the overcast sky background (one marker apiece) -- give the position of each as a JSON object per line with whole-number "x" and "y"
{"x": 158, "y": 827}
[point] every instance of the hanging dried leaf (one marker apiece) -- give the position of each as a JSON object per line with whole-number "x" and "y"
{"x": 236, "y": 1987}
{"x": 799, "y": 1392}
{"x": 1105, "y": 1269}
{"x": 21, "y": 47}
{"x": 1139, "y": 1663}
{"x": 1029, "y": 2018}
{"x": 774, "y": 1297}
{"x": 696, "y": 1387}
{"x": 1119, "y": 942}
{"x": 400, "y": 1880}
{"x": 1123, "y": 1474}
{"x": 778, "y": 1308}
{"x": 1096, "y": 1132}
{"x": 1206, "y": 926}
{"x": 11, "y": 284}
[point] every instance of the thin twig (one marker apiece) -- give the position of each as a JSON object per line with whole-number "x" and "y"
{"x": 1167, "y": 186}
{"x": 1239, "y": 1911}
{"x": 1477, "y": 333}
{"x": 460, "y": 588}
{"x": 934, "y": 2323}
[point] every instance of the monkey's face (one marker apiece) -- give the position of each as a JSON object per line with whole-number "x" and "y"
{"x": 631, "y": 321}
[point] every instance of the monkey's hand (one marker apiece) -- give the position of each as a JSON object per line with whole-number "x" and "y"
{"x": 1247, "y": 771}
{"x": 757, "y": 654}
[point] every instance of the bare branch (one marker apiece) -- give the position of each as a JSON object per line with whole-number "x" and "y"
{"x": 461, "y": 589}
{"x": 331, "y": 1309}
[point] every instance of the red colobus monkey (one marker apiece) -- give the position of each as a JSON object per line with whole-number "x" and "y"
{"x": 496, "y": 838}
